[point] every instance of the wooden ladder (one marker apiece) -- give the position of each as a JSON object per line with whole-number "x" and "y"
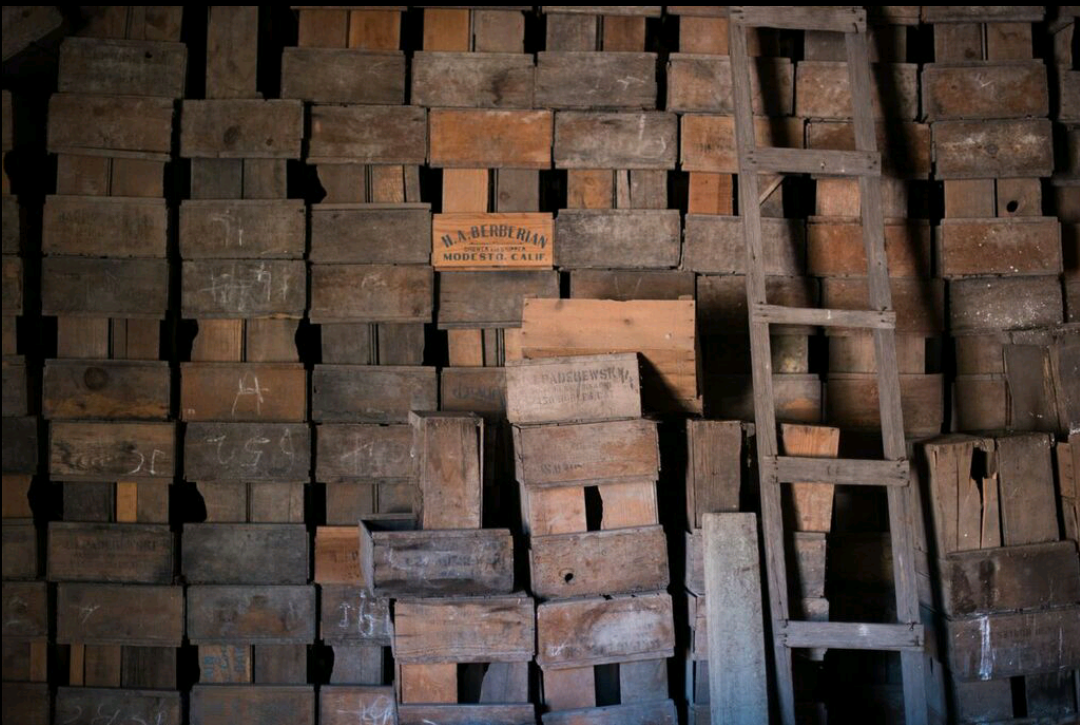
{"x": 907, "y": 636}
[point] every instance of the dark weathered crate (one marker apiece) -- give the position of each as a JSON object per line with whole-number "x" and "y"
{"x": 370, "y": 234}
{"x": 473, "y": 80}
{"x": 121, "y": 553}
{"x": 490, "y": 299}
{"x": 340, "y": 75}
{"x": 467, "y": 629}
{"x": 243, "y": 392}
{"x": 106, "y": 389}
{"x": 241, "y": 128}
{"x": 491, "y": 138}
{"x": 120, "y": 614}
{"x": 368, "y": 134}
{"x": 85, "y": 287}
{"x": 623, "y": 238}
{"x": 74, "y": 225}
{"x": 273, "y": 705}
{"x": 583, "y": 632}
{"x": 371, "y": 394}
{"x": 241, "y": 229}
{"x": 245, "y": 553}
{"x": 702, "y": 84}
{"x": 594, "y": 81}
{"x": 83, "y": 451}
{"x": 371, "y": 293}
{"x": 247, "y": 452}
{"x": 597, "y": 563}
{"x": 597, "y": 140}
{"x": 122, "y": 67}
{"x": 123, "y": 126}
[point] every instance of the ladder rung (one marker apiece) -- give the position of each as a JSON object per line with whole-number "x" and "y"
{"x": 814, "y": 161}
{"x": 837, "y": 18}
{"x": 852, "y": 635}
{"x": 862, "y": 319}
{"x": 841, "y": 471}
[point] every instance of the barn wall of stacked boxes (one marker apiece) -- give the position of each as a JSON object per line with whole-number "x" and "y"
{"x": 386, "y": 364}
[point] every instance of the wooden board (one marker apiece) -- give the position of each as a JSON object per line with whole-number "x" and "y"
{"x": 106, "y": 389}
{"x": 592, "y": 81}
{"x": 124, "y": 126}
{"x": 574, "y": 389}
{"x": 84, "y": 705}
{"x": 982, "y": 13}
{"x": 490, "y": 138}
{"x": 243, "y": 392}
{"x": 247, "y": 452}
{"x": 121, "y": 553}
{"x": 117, "y": 614}
{"x": 26, "y": 610}
{"x": 1035, "y": 576}
{"x": 984, "y": 247}
{"x": 631, "y": 284}
{"x": 1009, "y": 644}
{"x": 467, "y": 714}
{"x": 83, "y": 287}
{"x": 715, "y": 245}
{"x": 479, "y": 390}
{"x": 251, "y": 614}
{"x": 599, "y": 562}
{"x": 702, "y": 84}
{"x": 586, "y": 453}
{"x": 490, "y": 299}
{"x": 80, "y": 451}
{"x": 713, "y": 468}
{"x": 582, "y": 632}
{"x": 919, "y": 304}
{"x": 339, "y": 75}
{"x": 478, "y": 629}
{"x": 835, "y": 248}
{"x": 448, "y": 449}
{"x": 1016, "y": 89}
{"x": 371, "y": 293}
{"x": 20, "y": 445}
{"x": 13, "y": 285}
{"x": 822, "y": 90}
{"x": 437, "y": 563}
{"x": 999, "y": 149}
{"x": 245, "y": 553}
{"x": 472, "y": 80}
{"x": 273, "y": 705}
{"x": 1004, "y": 303}
{"x": 905, "y": 146}
{"x": 20, "y": 549}
{"x": 707, "y": 142}
{"x": 484, "y": 241}
{"x": 644, "y": 713}
{"x": 597, "y": 140}
{"x": 239, "y": 288}
{"x": 371, "y": 394}
{"x": 852, "y": 402}
{"x": 247, "y": 229}
{"x": 370, "y": 234}
{"x": 122, "y": 67}
{"x": 351, "y": 616}
{"x": 347, "y": 452}
{"x": 623, "y": 238}
{"x": 74, "y": 224}
{"x": 241, "y": 128}
{"x": 1026, "y": 483}
{"x": 347, "y": 705}
{"x": 367, "y": 134}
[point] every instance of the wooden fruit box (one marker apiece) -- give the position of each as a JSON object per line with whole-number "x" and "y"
{"x": 715, "y": 245}
{"x": 608, "y": 140}
{"x": 370, "y": 234}
{"x": 1004, "y": 303}
{"x": 448, "y": 450}
{"x": 20, "y": 445}
{"x": 623, "y": 238}
{"x": 629, "y": 284}
{"x": 992, "y": 149}
{"x": 271, "y": 704}
{"x": 597, "y": 563}
{"x": 20, "y": 550}
{"x": 245, "y": 554}
{"x": 660, "y": 712}
{"x": 124, "y": 126}
{"x": 594, "y": 81}
{"x": 587, "y": 454}
{"x": 474, "y": 80}
{"x": 91, "y": 287}
{"x": 112, "y": 553}
{"x": 73, "y": 704}
{"x": 490, "y": 299}
{"x": 258, "y": 615}
{"x": 243, "y": 392}
{"x": 822, "y": 90}
{"x": 799, "y": 397}
{"x": 72, "y": 226}
{"x": 904, "y": 145}
{"x": 371, "y": 394}
{"x": 106, "y": 390}
{"x": 371, "y": 293}
{"x": 340, "y": 75}
{"x": 702, "y": 84}
{"x": 238, "y": 452}
{"x": 586, "y": 388}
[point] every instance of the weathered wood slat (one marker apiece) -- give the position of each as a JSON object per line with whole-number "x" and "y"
{"x": 339, "y": 75}
{"x": 714, "y": 245}
{"x": 346, "y": 705}
{"x": 370, "y": 234}
{"x": 638, "y": 713}
{"x": 823, "y": 90}
{"x": 84, "y": 287}
{"x": 992, "y": 149}
{"x": 124, "y": 126}
{"x": 1005, "y": 303}
{"x": 629, "y": 284}
{"x": 702, "y": 84}
{"x": 825, "y": 163}
{"x": 839, "y": 18}
{"x": 239, "y": 288}
{"x": 984, "y": 247}
{"x": 586, "y": 453}
{"x": 251, "y": 614}
{"x": 621, "y": 238}
{"x": 368, "y": 134}
{"x": 584, "y": 632}
{"x": 982, "y": 13}
{"x": 1003, "y": 645}
{"x": 576, "y": 389}
{"x": 596, "y": 81}
{"x": 241, "y": 128}
{"x": 122, "y": 67}
{"x": 480, "y": 629}
{"x": 473, "y": 80}
{"x": 490, "y": 299}
{"x": 245, "y": 553}
{"x": 448, "y": 449}
{"x": 347, "y": 452}
{"x": 849, "y": 635}
{"x": 650, "y": 11}
{"x": 243, "y": 392}
{"x": 1026, "y": 487}
{"x": 135, "y": 553}
{"x": 437, "y": 563}
{"x": 112, "y": 451}
{"x": 594, "y": 140}
{"x": 351, "y": 616}
{"x": 247, "y": 452}
{"x": 985, "y": 90}
{"x": 371, "y": 293}
{"x": 106, "y": 389}
{"x": 846, "y": 472}
{"x": 467, "y": 714}
{"x": 707, "y": 142}
{"x": 248, "y": 229}
{"x": 73, "y": 225}
{"x": 82, "y": 705}
{"x": 371, "y": 394}
{"x": 861, "y": 319}
{"x": 273, "y": 705}
{"x": 491, "y": 138}
{"x": 112, "y": 614}
{"x": 599, "y": 562}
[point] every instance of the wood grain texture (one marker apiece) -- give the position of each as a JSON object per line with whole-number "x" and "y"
{"x": 485, "y": 241}
{"x": 122, "y": 67}
{"x": 992, "y": 149}
{"x": 245, "y": 553}
{"x": 586, "y": 453}
{"x": 106, "y": 389}
{"x": 1003, "y": 645}
{"x": 73, "y": 225}
{"x": 273, "y": 705}
{"x": 437, "y": 563}
{"x": 611, "y": 80}
{"x": 112, "y": 451}
{"x": 476, "y": 629}
{"x": 123, "y": 125}
{"x": 835, "y": 248}
{"x": 583, "y": 632}
{"x": 84, "y": 287}
{"x": 247, "y": 229}
{"x": 617, "y": 238}
{"x": 370, "y": 234}
{"x": 919, "y": 304}
{"x": 243, "y": 392}
{"x": 713, "y": 468}
{"x": 904, "y": 145}
{"x": 660, "y": 712}
{"x": 247, "y": 452}
{"x": 473, "y": 80}
{"x": 490, "y": 299}
{"x": 26, "y": 610}
{"x": 597, "y": 140}
{"x": 117, "y": 614}
{"x": 702, "y": 84}
{"x": 479, "y": 390}
{"x": 251, "y": 614}
{"x": 20, "y": 549}
{"x": 597, "y": 563}
{"x": 238, "y": 288}
{"x": 1035, "y": 576}
{"x": 491, "y": 138}
{"x": 1026, "y": 484}
{"x": 629, "y": 284}
{"x": 852, "y": 402}
{"x": 121, "y": 553}
{"x": 371, "y": 394}
{"x": 336, "y": 75}
{"x": 371, "y": 293}
{"x": 368, "y": 134}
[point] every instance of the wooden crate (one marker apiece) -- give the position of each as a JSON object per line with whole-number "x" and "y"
{"x": 599, "y": 563}
{"x": 992, "y": 149}
{"x": 822, "y": 90}
{"x": 375, "y": 234}
{"x": 339, "y": 75}
{"x": 219, "y": 705}
{"x": 106, "y": 390}
{"x": 96, "y": 288}
{"x": 243, "y": 392}
{"x": 75, "y": 703}
{"x": 371, "y": 394}
{"x": 342, "y": 704}
{"x": 260, "y": 615}
{"x": 364, "y": 452}
{"x": 631, "y": 284}
{"x": 714, "y": 467}
{"x": 20, "y": 445}
{"x": 245, "y": 554}
{"x": 1016, "y": 89}
{"x": 112, "y": 553}
{"x": 228, "y": 452}
{"x": 623, "y": 238}
{"x": 587, "y": 454}
{"x": 852, "y": 402}
{"x": 835, "y": 248}
{"x": 592, "y": 81}
{"x": 124, "y": 126}
{"x": 1004, "y": 303}
{"x": 20, "y": 550}
{"x": 799, "y": 397}
{"x": 584, "y": 632}
{"x": 905, "y": 145}
{"x": 601, "y": 140}
{"x": 448, "y": 449}
{"x": 702, "y": 84}
{"x": 490, "y": 299}
{"x": 715, "y": 245}
{"x": 588, "y": 388}
{"x": 475, "y": 80}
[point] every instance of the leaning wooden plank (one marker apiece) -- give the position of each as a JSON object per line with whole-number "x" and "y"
{"x": 350, "y": 704}
{"x": 123, "y": 126}
{"x": 472, "y": 80}
{"x": 340, "y": 75}
{"x": 240, "y": 288}
{"x": 713, "y": 469}
{"x": 491, "y": 138}
{"x": 467, "y": 714}
{"x": 245, "y": 553}
{"x": 136, "y": 553}
{"x": 661, "y": 712}
{"x": 448, "y": 448}
{"x": 737, "y": 678}
{"x": 243, "y": 392}
{"x": 351, "y": 615}
{"x": 599, "y": 562}
{"x": 84, "y": 287}
{"x": 573, "y": 389}
{"x": 106, "y": 389}
{"x": 74, "y": 224}
{"x": 587, "y": 453}
{"x": 116, "y": 614}
{"x": 1035, "y": 576}
{"x": 484, "y": 241}
{"x": 490, "y": 298}
{"x": 582, "y": 632}
{"x": 596, "y": 140}
{"x": 982, "y": 90}
{"x": 715, "y": 245}
{"x": 371, "y": 394}
{"x": 1016, "y": 246}
{"x": 348, "y": 452}
{"x": 85, "y": 705}
{"x": 434, "y": 563}
{"x": 995, "y": 646}
{"x": 822, "y": 90}
{"x": 623, "y": 238}
{"x": 1004, "y": 303}
{"x": 473, "y": 629}
{"x": 251, "y": 614}
{"x": 122, "y": 67}
{"x": 242, "y": 229}
{"x": 26, "y": 609}
{"x": 992, "y": 149}
{"x": 1026, "y": 485}
{"x": 247, "y": 452}
{"x": 702, "y": 84}
{"x": 112, "y": 451}
{"x": 272, "y": 705}
{"x": 631, "y": 284}
{"x": 371, "y": 293}
{"x": 241, "y": 128}
{"x": 368, "y": 134}
{"x": 615, "y": 81}
{"x": 370, "y": 234}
